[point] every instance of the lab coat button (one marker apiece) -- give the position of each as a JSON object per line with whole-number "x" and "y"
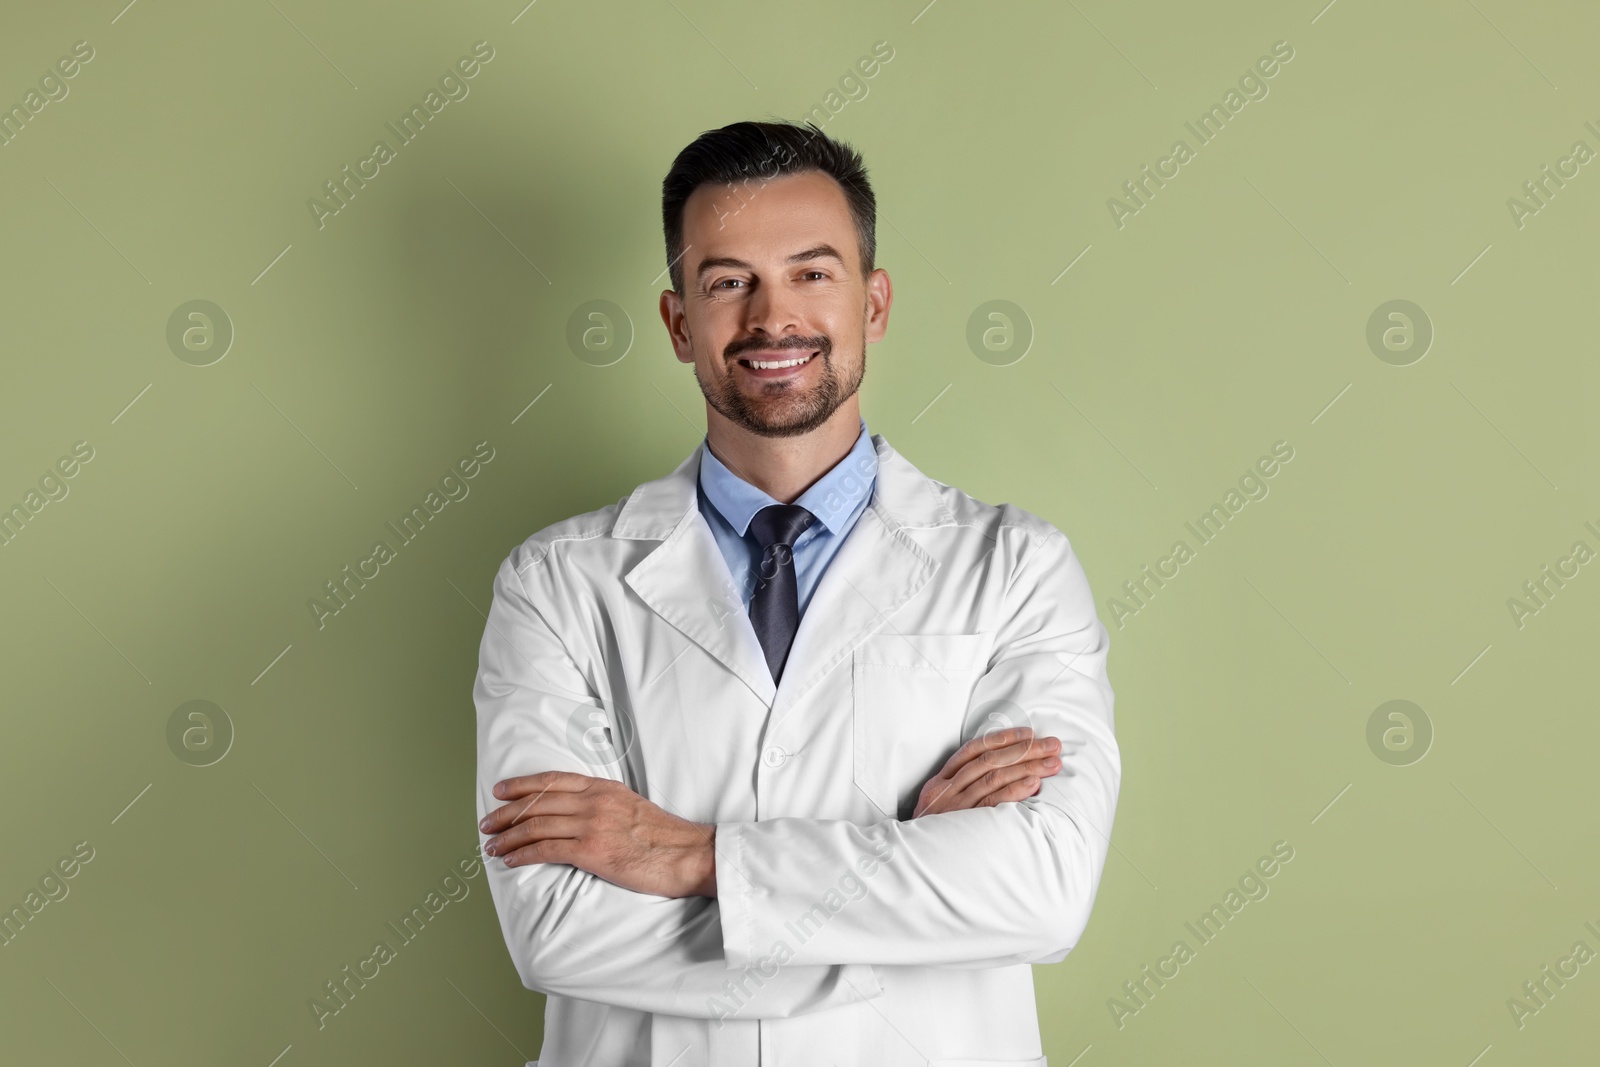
{"x": 774, "y": 756}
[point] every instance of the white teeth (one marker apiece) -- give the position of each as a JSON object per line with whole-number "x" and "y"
{"x": 774, "y": 363}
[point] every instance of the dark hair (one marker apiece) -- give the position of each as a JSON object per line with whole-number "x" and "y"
{"x": 748, "y": 151}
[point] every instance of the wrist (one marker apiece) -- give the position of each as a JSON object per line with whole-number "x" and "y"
{"x": 706, "y": 863}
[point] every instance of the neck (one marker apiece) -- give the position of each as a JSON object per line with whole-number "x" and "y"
{"x": 784, "y": 467}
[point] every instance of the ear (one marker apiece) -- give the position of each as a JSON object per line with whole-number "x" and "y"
{"x": 677, "y": 323}
{"x": 880, "y": 294}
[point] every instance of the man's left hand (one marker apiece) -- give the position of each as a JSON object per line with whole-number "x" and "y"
{"x": 603, "y": 827}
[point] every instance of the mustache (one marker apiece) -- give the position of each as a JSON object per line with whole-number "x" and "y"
{"x": 820, "y": 344}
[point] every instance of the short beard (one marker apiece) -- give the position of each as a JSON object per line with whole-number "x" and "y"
{"x": 807, "y": 413}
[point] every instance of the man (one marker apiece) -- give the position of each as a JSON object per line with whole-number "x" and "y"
{"x": 734, "y": 731}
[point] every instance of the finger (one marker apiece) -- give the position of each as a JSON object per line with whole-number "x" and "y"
{"x": 944, "y": 788}
{"x": 998, "y": 778}
{"x": 980, "y": 757}
{"x": 959, "y": 789}
{"x": 536, "y": 786}
{"x": 984, "y": 743}
{"x": 1004, "y": 746}
{"x": 1021, "y": 789}
{"x": 541, "y": 803}
{"x": 537, "y": 828}
{"x": 984, "y": 762}
{"x": 508, "y": 815}
{"x": 549, "y": 850}
{"x": 512, "y": 788}
{"x": 1048, "y": 767}
{"x": 974, "y": 788}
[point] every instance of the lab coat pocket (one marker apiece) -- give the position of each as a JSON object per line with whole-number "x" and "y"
{"x": 910, "y": 700}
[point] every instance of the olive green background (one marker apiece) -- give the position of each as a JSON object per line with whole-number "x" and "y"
{"x": 370, "y": 354}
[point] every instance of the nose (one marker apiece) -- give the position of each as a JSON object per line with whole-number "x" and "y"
{"x": 770, "y": 312}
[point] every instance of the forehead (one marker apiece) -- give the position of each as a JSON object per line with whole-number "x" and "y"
{"x": 766, "y": 221}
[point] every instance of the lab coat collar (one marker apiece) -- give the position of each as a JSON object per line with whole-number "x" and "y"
{"x": 904, "y": 495}
{"x": 832, "y": 499}
{"x": 685, "y": 578}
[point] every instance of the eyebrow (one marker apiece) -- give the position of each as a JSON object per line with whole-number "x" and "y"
{"x": 822, "y": 251}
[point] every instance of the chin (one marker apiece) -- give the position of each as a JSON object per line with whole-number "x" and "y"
{"x": 781, "y": 415}
{"x": 786, "y": 421}
{"x": 791, "y": 426}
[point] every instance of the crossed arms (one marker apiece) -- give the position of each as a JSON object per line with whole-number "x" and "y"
{"x": 605, "y": 828}
{"x": 612, "y": 899}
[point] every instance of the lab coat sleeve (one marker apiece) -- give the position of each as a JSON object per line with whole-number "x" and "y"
{"x": 982, "y": 887}
{"x": 570, "y": 932}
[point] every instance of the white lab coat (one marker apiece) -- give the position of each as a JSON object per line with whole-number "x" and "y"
{"x": 617, "y": 646}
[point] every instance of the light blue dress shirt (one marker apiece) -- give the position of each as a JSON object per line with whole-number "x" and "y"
{"x": 837, "y": 499}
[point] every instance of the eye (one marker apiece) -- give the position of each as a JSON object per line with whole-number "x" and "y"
{"x": 818, "y": 273}
{"x": 726, "y": 281}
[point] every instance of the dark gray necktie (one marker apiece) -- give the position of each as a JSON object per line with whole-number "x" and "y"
{"x": 775, "y": 607}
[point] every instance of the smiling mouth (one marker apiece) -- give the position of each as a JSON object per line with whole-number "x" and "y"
{"x": 788, "y": 363}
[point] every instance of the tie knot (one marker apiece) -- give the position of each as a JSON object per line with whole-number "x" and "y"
{"x": 779, "y": 524}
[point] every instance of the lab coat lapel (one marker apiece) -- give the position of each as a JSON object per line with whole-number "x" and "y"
{"x": 685, "y": 579}
{"x": 877, "y": 570}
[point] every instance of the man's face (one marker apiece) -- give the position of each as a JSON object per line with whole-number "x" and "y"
{"x": 772, "y": 275}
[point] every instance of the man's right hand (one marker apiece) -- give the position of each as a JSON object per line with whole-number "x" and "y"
{"x": 998, "y": 766}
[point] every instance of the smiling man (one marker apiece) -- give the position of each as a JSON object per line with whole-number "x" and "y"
{"x": 770, "y": 750}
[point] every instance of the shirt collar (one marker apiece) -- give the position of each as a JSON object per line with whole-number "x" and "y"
{"x": 832, "y": 499}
